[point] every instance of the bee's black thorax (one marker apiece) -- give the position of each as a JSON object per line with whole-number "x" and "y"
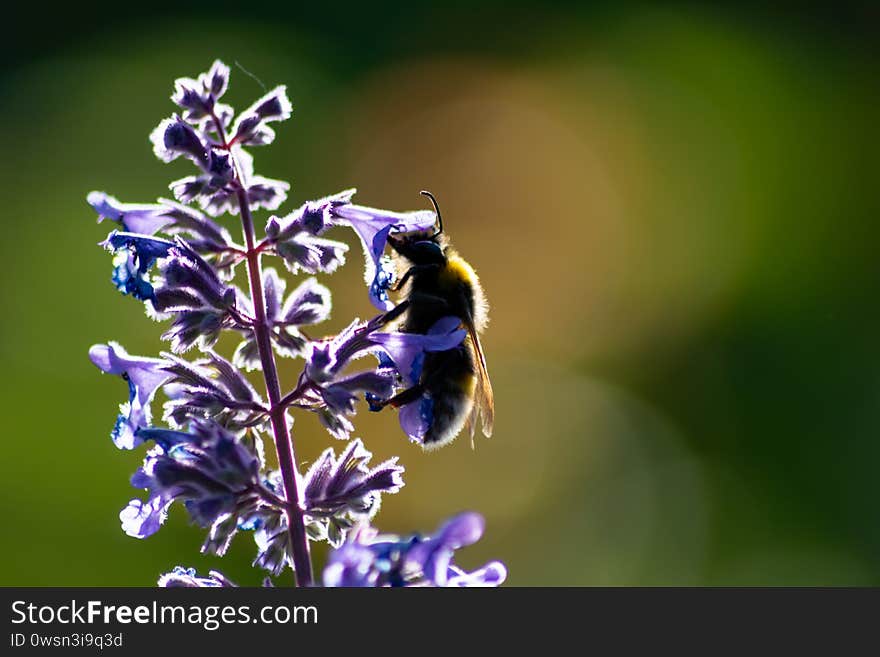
{"x": 438, "y": 283}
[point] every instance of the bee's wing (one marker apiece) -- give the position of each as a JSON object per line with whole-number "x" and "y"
{"x": 484, "y": 399}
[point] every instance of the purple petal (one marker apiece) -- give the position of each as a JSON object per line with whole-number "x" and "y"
{"x": 415, "y": 418}
{"x": 274, "y": 106}
{"x": 347, "y": 466}
{"x": 492, "y": 574}
{"x": 373, "y": 227}
{"x": 164, "y": 438}
{"x": 406, "y": 348}
{"x": 434, "y": 555}
{"x": 187, "y": 578}
{"x": 319, "y": 474}
{"x": 143, "y": 219}
{"x": 124, "y": 434}
{"x": 141, "y": 519}
{"x": 144, "y": 373}
{"x": 266, "y": 192}
{"x": 350, "y": 566}
{"x": 273, "y": 289}
{"x": 148, "y": 249}
{"x": 461, "y": 530}
{"x": 217, "y": 79}
{"x": 144, "y": 376}
{"x": 309, "y": 303}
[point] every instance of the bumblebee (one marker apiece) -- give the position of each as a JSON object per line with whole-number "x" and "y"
{"x": 436, "y": 282}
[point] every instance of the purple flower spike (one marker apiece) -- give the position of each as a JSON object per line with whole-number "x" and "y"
{"x": 142, "y": 219}
{"x": 144, "y": 376}
{"x": 373, "y": 227}
{"x": 207, "y": 453}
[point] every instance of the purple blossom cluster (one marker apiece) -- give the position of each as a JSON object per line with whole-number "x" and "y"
{"x": 206, "y": 451}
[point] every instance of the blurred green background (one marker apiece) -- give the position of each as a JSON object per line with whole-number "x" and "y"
{"x": 673, "y": 211}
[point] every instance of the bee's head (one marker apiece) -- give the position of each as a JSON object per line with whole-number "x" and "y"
{"x": 422, "y": 247}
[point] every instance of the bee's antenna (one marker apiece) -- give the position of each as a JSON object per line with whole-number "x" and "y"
{"x": 436, "y": 209}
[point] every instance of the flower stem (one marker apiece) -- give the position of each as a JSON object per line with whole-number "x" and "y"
{"x": 299, "y": 542}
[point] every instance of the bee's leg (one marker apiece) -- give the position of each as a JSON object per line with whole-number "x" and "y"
{"x": 402, "y": 398}
{"x": 410, "y": 272}
{"x": 389, "y": 316}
